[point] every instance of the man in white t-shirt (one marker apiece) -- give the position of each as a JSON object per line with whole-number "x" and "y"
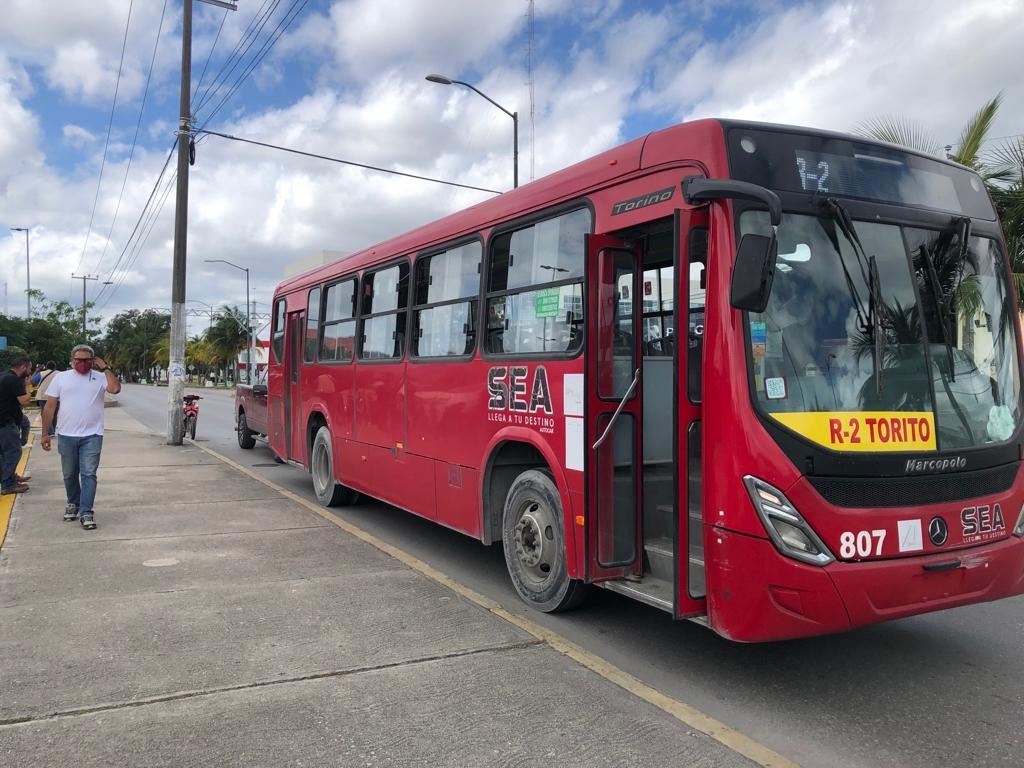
{"x": 79, "y": 393}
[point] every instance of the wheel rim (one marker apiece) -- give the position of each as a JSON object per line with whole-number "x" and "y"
{"x": 321, "y": 467}
{"x": 536, "y": 546}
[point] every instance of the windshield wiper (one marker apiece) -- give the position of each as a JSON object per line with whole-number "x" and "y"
{"x": 837, "y": 215}
{"x": 875, "y": 312}
{"x": 944, "y": 301}
{"x": 939, "y": 296}
{"x": 873, "y": 322}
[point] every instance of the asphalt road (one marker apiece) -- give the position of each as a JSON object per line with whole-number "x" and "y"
{"x": 944, "y": 689}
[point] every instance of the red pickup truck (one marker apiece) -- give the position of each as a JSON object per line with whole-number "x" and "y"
{"x": 250, "y": 413}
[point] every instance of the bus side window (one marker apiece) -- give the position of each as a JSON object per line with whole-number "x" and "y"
{"x": 445, "y": 302}
{"x": 312, "y": 326}
{"x": 697, "y": 256}
{"x": 535, "y": 287}
{"x": 277, "y": 339}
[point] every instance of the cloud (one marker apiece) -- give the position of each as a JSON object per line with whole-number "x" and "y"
{"x": 835, "y": 66}
{"x": 19, "y": 128}
{"x": 347, "y": 81}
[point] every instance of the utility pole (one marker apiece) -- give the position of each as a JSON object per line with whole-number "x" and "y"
{"x": 176, "y": 364}
{"x": 83, "y": 278}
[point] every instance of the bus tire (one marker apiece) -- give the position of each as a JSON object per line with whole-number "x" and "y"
{"x": 329, "y": 492}
{"x": 246, "y": 439}
{"x": 532, "y": 534}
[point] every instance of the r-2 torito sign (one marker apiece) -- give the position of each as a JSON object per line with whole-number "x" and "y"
{"x": 517, "y": 398}
{"x": 864, "y": 430}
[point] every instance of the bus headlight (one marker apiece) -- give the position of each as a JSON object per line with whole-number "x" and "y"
{"x": 789, "y": 532}
{"x": 1018, "y": 529}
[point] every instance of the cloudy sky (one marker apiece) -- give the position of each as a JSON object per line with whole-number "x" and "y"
{"x": 85, "y": 132}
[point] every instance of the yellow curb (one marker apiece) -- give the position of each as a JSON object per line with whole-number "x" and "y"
{"x": 7, "y": 502}
{"x": 694, "y": 718}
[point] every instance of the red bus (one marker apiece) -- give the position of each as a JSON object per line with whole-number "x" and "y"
{"x": 763, "y": 377}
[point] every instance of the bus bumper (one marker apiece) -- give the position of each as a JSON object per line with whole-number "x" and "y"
{"x": 755, "y": 594}
{"x": 890, "y": 589}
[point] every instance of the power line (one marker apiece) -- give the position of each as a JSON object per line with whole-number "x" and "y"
{"x": 142, "y": 216}
{"x": 209, "y": 57}
{"x": 348, "y": 162}
{"x": 106, "y": 144}
{"x": 135, "y": 138}
{"x": 282, "y": 27}
{"x": 247, "y": 40}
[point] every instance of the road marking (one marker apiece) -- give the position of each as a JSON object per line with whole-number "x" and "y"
{"x": 7, "y": 502}
{"x": 694, "y": 718}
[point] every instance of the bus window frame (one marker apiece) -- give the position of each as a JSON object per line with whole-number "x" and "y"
{"x": 552, "y": 212}
{"x": 325, "y": 287}
{"x": 414, "y": 308}
{"x": 313, "y": 318}
{"x": 278, "y": 331}
{"x": 361, "y": 317}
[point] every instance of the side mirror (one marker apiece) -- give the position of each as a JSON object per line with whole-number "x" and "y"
{"x": 259, "y": 389}
{"x": 753, "y": 272}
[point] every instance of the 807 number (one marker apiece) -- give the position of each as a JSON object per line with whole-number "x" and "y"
{"x": 861, "y": 543}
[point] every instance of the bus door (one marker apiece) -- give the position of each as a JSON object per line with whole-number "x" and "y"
{"x": 690, "y": 243}
{"x": 294, "y": 434}
{"x": 614, "y": 412}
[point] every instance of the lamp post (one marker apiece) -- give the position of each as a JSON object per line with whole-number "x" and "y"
{"x": 252, "y": 331}
{"x": 28, "y": 276}
{"x": 442, "y": 80}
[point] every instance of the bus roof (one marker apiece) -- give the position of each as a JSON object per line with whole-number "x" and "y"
{"x": 703, "y": 140}
{"x": 563, "y": 185}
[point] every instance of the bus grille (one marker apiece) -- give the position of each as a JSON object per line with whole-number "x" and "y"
{"x": 914, "y": 491}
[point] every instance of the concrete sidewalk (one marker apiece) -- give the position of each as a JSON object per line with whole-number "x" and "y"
{"x": 211, "y": 620}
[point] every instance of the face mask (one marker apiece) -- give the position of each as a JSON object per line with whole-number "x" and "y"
{"x": 83, "y": 366}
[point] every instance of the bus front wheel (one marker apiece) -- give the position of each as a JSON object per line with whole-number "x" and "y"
{"x": 329, "y": 492}
{"x": 532, "y": 534}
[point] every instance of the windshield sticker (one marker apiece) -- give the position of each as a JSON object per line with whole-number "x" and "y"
{"x": 865, "y": 430}
{"x": 758, "y": 338}
{"x": 775, "y": 388}
{"x": 911, "y": 539}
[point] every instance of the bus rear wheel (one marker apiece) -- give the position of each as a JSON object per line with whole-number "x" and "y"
{"x": 532, "y": 534}
{"x": 329, "y": 492}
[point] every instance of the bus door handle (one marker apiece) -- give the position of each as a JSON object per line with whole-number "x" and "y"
{"x": 622, "y": 404}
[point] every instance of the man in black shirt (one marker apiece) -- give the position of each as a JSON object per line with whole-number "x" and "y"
{"x": 13, "y": 395}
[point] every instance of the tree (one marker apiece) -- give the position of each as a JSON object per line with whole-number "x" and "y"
{"x": 228, "y": 336}
{"x": 1002, "y": 169}
{"x": 50, "y": 334}
{"x": 132, "y": 339}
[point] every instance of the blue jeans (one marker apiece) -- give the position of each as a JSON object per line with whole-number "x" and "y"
{"x": 10, "y": 453}
{"x": 80, "y": 458}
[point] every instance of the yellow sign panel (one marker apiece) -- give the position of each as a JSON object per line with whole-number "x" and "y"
{"x": 864, "y": 430}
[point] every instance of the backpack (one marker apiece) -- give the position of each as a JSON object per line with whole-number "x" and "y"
{"x": 44, "y": 382}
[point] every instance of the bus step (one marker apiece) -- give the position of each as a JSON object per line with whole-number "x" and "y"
{"x": 660, "y": 558}
{"x": 671, "y": 510}
{"x": 649, "y": 590}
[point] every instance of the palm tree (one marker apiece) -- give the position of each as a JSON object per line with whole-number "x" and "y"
{"x": 228, "y": 336}
{"x": 1001, "y": 169}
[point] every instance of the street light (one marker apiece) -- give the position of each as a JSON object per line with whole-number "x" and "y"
{"x": 248, "y": 321}
{"x": 442, "y": 80}
{"x": 28, "y": 278}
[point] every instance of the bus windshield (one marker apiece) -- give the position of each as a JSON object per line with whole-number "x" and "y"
{"x": 925, "y": 358}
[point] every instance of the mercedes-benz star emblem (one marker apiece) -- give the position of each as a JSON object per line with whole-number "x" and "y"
{"x": 938, "y": 531}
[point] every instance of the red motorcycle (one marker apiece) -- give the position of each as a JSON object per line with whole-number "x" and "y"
{"x": 190, "y": 408}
